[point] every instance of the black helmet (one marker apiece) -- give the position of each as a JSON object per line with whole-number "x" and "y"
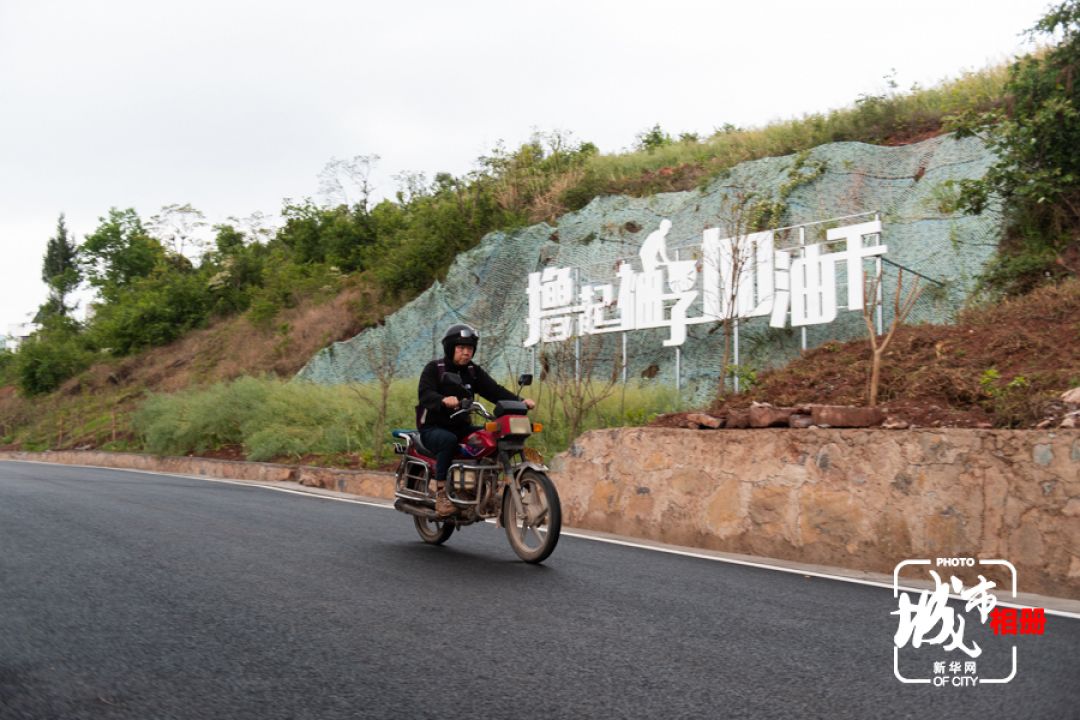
{"x": 459, "y": 335}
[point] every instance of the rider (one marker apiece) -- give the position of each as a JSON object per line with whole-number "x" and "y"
{"x": 440, "y": 433}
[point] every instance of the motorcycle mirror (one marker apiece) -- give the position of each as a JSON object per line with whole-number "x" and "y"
{"x": 453, "y": 379}
{"x": 524, "y": 380}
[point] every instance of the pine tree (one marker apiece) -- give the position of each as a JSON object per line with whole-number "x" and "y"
{"x": 60, "y": 271}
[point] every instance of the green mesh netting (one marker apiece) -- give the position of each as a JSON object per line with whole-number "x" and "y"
{"x": 486, "y": 287}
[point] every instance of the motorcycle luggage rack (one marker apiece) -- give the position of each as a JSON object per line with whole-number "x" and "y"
{"x": 456, "y": 482}
{"x": 413, "y": 482}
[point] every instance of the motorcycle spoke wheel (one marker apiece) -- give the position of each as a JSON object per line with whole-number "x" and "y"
{"x": 433, "y": 532}
{"x": 533, "y": 535}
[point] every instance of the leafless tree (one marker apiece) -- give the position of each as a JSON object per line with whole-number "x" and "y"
{"x": 258, "y": 227}
{"x": 902, "y": 306}
{"x": 575, "y": 385}
{"x": 739, "y": 218}
{"x": 348, "y": 182}
{"x": 179, "y": 228}
{"x": 381, "y": 357}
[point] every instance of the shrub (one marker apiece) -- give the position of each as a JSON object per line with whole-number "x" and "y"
{"x": 47, "y": 359}
{"x": 273, "y": 419}
{"x": 152, "y": 311}
{"x": 1037, "y": 174}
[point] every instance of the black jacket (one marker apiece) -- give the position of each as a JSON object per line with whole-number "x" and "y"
{"x": 432, "y": 391}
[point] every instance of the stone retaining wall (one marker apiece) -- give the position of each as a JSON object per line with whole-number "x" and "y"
{"x": 860, "y": 499}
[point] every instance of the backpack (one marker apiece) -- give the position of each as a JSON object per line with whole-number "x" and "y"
{"x": 421, "y": 412}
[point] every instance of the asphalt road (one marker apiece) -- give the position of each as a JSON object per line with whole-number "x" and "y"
{"x": 131, "y": 595}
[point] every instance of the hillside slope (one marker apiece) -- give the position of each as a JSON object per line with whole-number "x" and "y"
{"x": 1002, "y": 365}
{"x": 93, "y": 409}
{"x": 831, "y": 185}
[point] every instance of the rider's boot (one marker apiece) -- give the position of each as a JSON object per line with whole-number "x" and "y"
{"x": 443, "y": 507}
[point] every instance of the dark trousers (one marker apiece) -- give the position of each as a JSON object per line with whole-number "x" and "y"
{"x": 444, "y": 444}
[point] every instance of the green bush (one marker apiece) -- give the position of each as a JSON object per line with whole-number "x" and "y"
{"x": 47, "y": 359}
{"x": 277, "y": 420}
{"x": 152, "y": 311}
{"x": 8, "y": 370}
{"x": 269, "y": 418}
{"x": 1037, "y": 175}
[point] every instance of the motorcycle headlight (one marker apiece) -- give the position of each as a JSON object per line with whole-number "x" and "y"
{"x": 520, "y": 425}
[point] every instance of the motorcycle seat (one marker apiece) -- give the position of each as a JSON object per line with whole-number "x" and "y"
{"x": 413, "y": 436}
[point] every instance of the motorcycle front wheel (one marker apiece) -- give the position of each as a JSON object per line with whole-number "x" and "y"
{"x": 433, "y": 531}
{"x": 534, "y": 534}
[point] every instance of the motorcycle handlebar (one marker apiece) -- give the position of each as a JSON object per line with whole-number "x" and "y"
{"x": 473, "y": 406}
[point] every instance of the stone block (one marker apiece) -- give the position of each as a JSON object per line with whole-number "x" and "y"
{"x": 738, "y": 419}
{"x": 842, "y": 416}
{"x": 762, "y": 416}
{"x": 703, "y": 420}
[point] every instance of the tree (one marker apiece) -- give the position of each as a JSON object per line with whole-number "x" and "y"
{"x": 741, "y": 214}
{"x": 178, "y": 228}
{"x": 119, "y": 252}
{"x": 1034, "y": 134}
{"x": 348, "y": 182}
{"x": 257, "y": 227}
{"x": 381, "y": 355}
{"x": 60, "y": 271}
{"x": 48, "y": 358}
{"x": 652, "y": 139}
{"x": 152, "y": 311}
{"x": 902, "y": 306}
{"x": 579, "y": 379}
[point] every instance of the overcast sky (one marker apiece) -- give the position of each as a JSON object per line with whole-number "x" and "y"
{"x": 232, "y": 105}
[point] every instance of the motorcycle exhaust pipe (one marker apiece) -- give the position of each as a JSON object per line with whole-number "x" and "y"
{"x": 414, "y": 509}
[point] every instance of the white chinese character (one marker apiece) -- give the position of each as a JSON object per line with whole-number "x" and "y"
{"x": 643, "y": 300}
{"x": 918, "y": 620}
{"x": 939, "y": 667}
{"x": 977, "y": 596}
{"x": 596, "y": 302}
{"x": 557, "y": 329}
{"x": 969, "y": 667}
{"x": 853, "y": 254}
{"x": 739, "y": 275}
{"x": 813, "y": 288}
{"x": 556, "y": 288}
{"x": 551, "y": 294}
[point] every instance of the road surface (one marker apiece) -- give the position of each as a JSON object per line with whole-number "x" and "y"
{"x": 135, "y": 595}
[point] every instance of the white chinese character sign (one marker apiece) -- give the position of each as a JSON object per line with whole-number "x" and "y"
{"x": 742, "y": 277}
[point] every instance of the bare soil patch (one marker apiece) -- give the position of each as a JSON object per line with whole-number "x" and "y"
{"x": 1002, "y": 365}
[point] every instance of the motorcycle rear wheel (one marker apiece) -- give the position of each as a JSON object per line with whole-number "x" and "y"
{"x": 535, "y": 535}
{"x": 433, "y": 532}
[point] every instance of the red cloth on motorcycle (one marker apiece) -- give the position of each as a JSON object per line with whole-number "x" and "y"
{"x": 432, "y": 413}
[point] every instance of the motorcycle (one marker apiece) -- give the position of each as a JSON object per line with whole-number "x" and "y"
{"x": 493, "y": 476}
